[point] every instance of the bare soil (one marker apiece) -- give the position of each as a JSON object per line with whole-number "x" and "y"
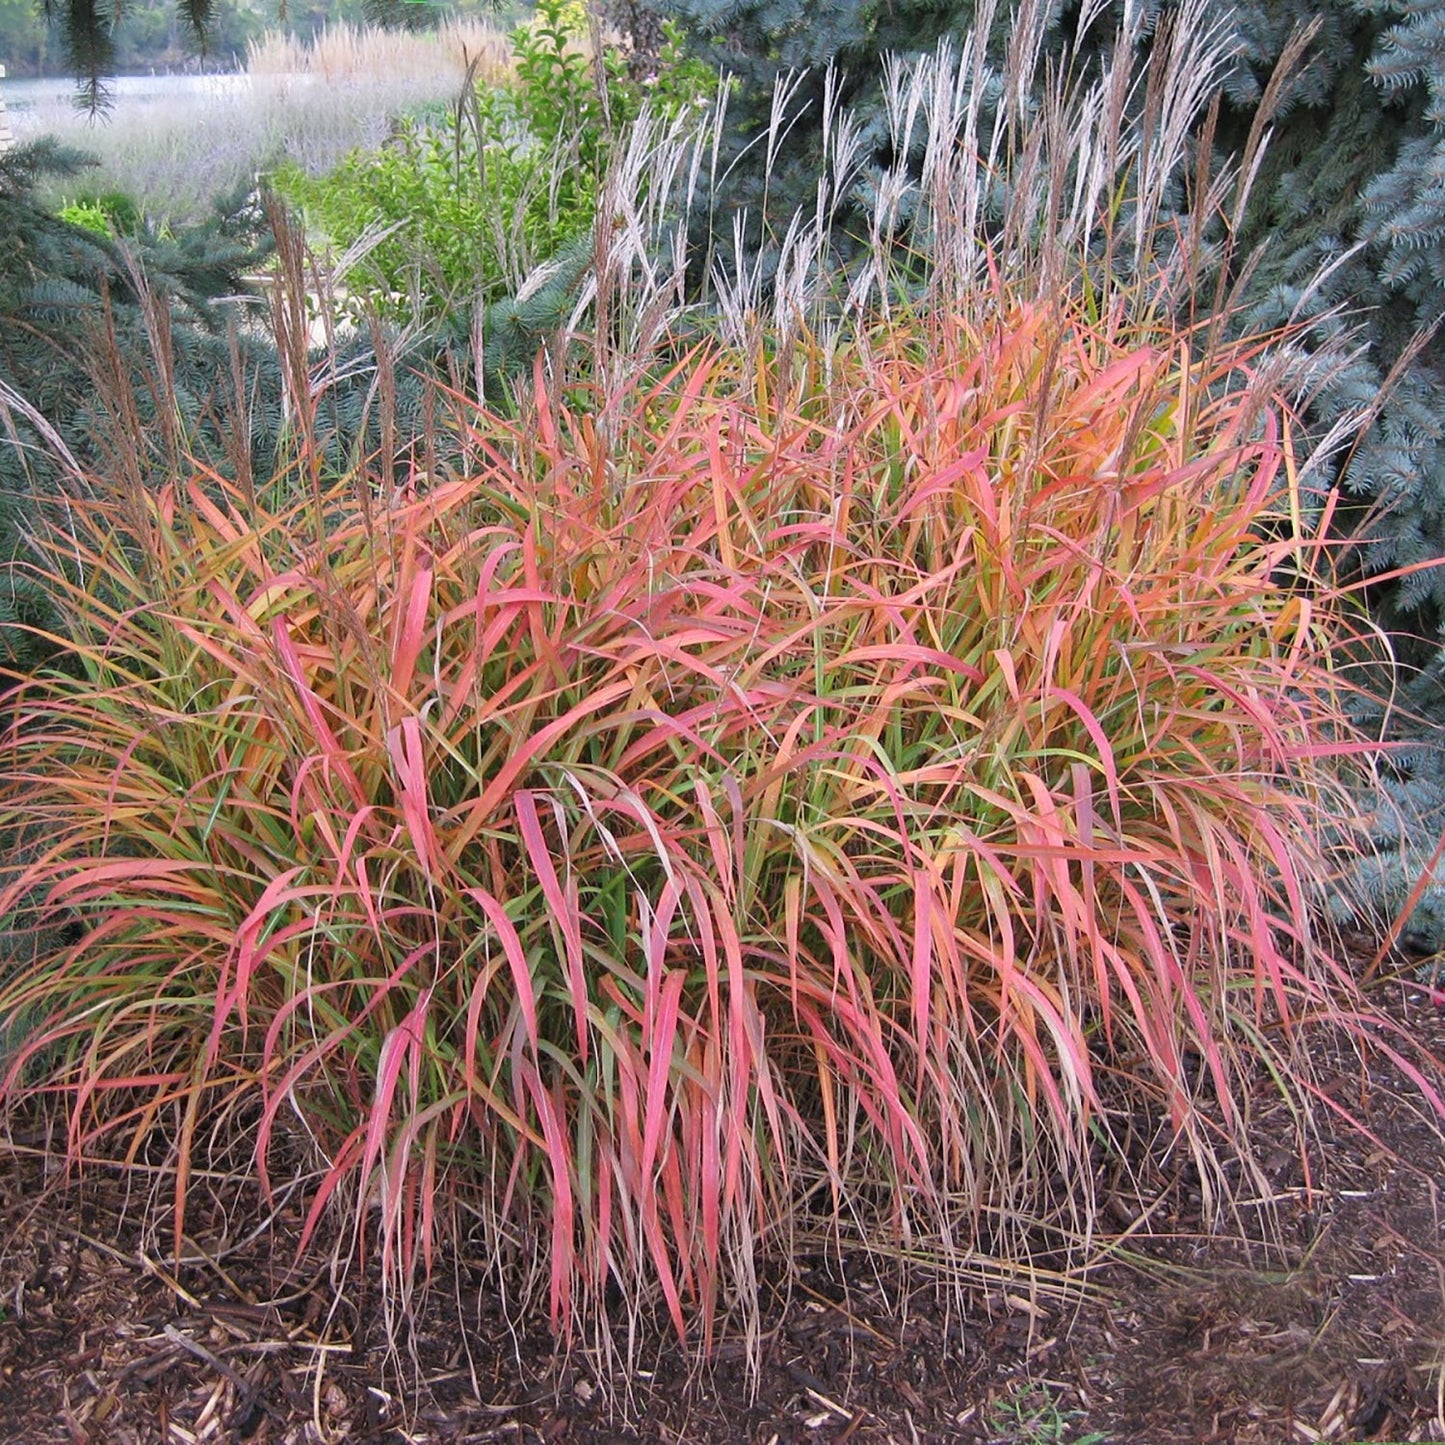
{"x": 1333, "y": 1330}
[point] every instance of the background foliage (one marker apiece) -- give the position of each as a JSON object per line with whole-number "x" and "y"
{"x": 466, "y": 206}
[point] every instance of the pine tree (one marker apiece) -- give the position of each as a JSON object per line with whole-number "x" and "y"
{"x": 84, "y": 324}
{"x": 811, "y": 58}
{"x": 87, "y": 31}
{"x": 150, "y": 357}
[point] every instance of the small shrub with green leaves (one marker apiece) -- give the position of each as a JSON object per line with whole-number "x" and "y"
{"x": 88, "y": 215}
{"x": 469, "y": 206}
{"x": 109, "y": 213}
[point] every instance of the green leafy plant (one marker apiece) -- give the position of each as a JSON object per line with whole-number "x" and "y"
{"x": 559, "y": 98}
{"x": 468, "y": 207}
{"x": 88, "y": 215}
{"x": 1030, "y": 1415}
{"x": 108, "y": 213}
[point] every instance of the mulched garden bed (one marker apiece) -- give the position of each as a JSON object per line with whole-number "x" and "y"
{"x": 1335, "y": 1330}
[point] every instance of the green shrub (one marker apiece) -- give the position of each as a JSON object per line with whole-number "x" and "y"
{"x": 469, "y": 206}
{"x": 110, "y": 213}
{"x": 121, "y": 210}
{"x": 88, "y": 215}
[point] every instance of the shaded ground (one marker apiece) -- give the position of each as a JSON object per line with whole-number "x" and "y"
{"x": 1337, "y": 1332}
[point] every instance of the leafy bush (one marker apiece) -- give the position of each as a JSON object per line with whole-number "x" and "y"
{"x": 108, "y": 213}
{"x": 468, "y": 207}
{"x": 88, "y": 215}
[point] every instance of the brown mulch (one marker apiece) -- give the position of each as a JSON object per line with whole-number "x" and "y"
{"x": 1335, "y": 1330}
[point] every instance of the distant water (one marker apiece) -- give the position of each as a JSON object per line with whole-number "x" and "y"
{"x": 25, "y": 94}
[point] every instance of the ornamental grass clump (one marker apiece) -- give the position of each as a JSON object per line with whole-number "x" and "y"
{"x": 741, "y": 805}
{"x": 819, "y": 769}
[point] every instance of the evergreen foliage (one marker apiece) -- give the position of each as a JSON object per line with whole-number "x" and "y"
{"x": 807, "y": 63}
{"x": 88, "y": 330}
{"x": 1354, "y": 189}
{"x": 87, "y": 30}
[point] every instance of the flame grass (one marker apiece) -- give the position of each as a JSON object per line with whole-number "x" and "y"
{"x": 670, "y": 816}
{"x": 833, "y": 774}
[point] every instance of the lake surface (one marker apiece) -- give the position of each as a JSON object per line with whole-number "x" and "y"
{"x": 25, "y": 94}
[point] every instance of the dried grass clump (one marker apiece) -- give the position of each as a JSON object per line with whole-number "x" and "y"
{"x": 349, "y": 53}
